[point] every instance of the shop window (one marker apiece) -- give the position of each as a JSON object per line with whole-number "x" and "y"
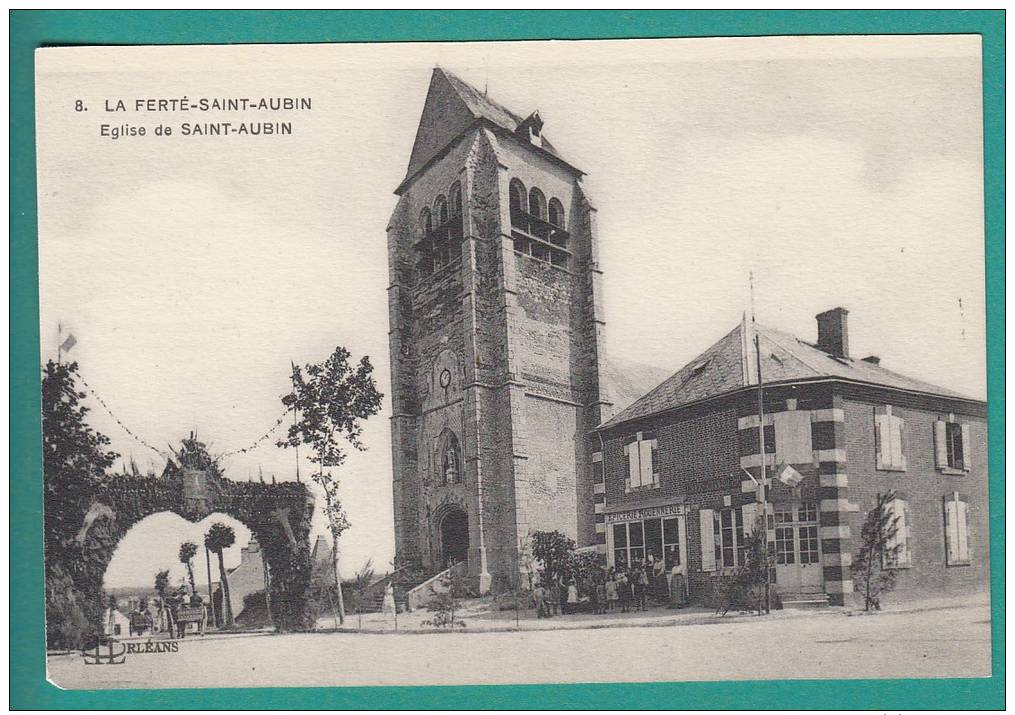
{"x": 620, "y": 551}
{"x": 635, "y": 541}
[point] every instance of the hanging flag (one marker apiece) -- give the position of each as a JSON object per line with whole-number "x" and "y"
{"x": 788, "y": 476}
{"x": 70, "y": 342}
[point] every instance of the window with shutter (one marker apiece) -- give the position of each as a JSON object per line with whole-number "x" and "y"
{"x": 645, "y": 462}
{"x": 889, "y": 431}
{"x": 706, "y": 522}
{"x": 633, "y": 464}
{"x": 793, "y": 437}
{"x": 956, "y": 531}
{"x": 940, "y": 445}
{"x": 902, "y": 556}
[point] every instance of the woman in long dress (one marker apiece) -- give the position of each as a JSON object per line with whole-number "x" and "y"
{"x": 389, "y": 601}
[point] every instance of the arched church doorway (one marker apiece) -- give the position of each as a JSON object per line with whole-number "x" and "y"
{"x": 454, "y": 537}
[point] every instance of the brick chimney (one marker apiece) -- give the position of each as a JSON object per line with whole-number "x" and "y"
{"x": 833, "y": 336}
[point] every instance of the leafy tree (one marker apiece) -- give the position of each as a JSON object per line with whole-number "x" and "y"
{"x": 331, "y": 399}
{"x": 188, "y": 549}
{"x": 873, "y": 566}
{"x": 753, "y": 572}
{"x": 219, "y": 538}
{"x": 74, "y": 461}
{"x": 162, "y": 583}
{"x": 554, "y": 550}
{"x": 445, "y": 603}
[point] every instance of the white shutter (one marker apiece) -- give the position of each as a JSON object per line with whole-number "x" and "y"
{"x": 966, "y": 454}
{"x": 898, "y": 442}
{"x": 793, "y": 437}
{"x": 899, "y": 509}
{"x": 645, "y": 459}
{"x": 951, "y": 530}
{"x": 962, "y": 529}
{"x": 905, "y": 555}
{"x": 940, "y": 444}
{"x": 750, "y": 512}
{"x": 705, "y": 520}
{"x": 884, "y": 440}
{"x": 633, "y": 465}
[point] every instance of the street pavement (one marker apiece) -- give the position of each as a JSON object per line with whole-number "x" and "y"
{"x": 950, "y": 640}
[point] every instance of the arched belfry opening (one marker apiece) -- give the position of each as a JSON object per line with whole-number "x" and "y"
{"x": 453, "y": 533}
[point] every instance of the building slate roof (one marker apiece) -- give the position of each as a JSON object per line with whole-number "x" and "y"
{"x": 784, "y": 358}
{"x": 452, "y": 106}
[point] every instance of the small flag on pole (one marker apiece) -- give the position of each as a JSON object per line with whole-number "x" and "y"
{"x": 788, "y": 476}
{"x": 68, "y": 343}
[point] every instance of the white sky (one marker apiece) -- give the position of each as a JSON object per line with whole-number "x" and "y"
{"x": 191, "y": 270}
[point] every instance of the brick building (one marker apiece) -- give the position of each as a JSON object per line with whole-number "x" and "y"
{"x": 496, "y": 335}
{"x": 676, "y": 473}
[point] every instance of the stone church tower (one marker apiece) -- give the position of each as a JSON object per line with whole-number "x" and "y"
{"x": 496, "y": 335}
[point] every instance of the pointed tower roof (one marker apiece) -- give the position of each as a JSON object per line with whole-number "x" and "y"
{"x": 452, "y": 107}
{"x": 729, "y": 364}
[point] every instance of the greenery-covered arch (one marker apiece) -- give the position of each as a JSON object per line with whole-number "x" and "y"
{"x": 279, "y": 516}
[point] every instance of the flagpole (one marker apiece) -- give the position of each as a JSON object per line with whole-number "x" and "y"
{"x": 762, "y": 488}
{"x": 59, "y": 343}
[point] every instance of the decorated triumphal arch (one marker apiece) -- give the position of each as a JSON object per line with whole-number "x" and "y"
{"x": 278, "y": 515}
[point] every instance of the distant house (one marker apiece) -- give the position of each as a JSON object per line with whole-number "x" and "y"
{"x": 247, "y": 578}
{"x": 677, "y": 474}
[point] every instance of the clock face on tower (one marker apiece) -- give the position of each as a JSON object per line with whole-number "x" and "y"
{"x": 445, "y": 378}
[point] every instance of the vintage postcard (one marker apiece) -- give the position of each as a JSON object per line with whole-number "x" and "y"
{"x": 514, "y": 362}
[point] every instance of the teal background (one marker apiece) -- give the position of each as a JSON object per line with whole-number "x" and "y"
{"x": 32, "y": 29}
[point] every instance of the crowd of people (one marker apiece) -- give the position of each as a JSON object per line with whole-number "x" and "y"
{"x": 611, "y": 590}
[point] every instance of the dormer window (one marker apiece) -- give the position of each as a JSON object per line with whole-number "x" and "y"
{"x": 531, "y": 128}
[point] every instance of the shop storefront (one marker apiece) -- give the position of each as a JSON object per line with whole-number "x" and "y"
{"x": 637, "y": 536}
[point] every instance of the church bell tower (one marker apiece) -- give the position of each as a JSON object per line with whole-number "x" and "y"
{"x": 496, "y": 339}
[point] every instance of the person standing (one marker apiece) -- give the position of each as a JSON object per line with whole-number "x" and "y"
{"x": 572, "y": 597}
{"x": 624, "y": 592}
{"x": 678, "y": 586}
{"x": 612, "y": 594}
{"x": 539, "y": 596}
{"x": 389, "y": 602}
{"x": 554, "y": 598}
{"x": 642, "y": 587}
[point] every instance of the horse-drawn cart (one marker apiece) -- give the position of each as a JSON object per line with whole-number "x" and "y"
{"x": 182, "y": 615}
{"x": 140, "y": 621}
